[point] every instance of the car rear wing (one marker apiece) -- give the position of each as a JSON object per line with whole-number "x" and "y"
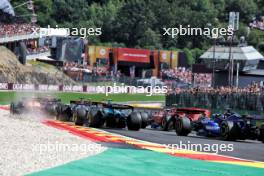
{"x": 118, "y": 106}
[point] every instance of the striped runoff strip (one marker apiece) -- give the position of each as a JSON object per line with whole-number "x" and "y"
{"x": 98, "y": 135}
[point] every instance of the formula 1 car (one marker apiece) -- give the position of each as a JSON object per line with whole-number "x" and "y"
{"x": 166, "y": 117}
{"x": 227, "y": 126}
{"x": 98, "y": 114}
{"x": 45, "y": 105}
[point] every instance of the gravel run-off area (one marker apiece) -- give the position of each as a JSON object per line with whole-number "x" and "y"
{"x": 28, "y": 146}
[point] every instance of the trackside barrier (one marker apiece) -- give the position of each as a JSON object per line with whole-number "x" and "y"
{"x": 62, "y": 88}
{"x": 45, "y": 87}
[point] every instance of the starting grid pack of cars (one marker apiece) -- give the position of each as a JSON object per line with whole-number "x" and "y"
{"x": 227, "y": 126}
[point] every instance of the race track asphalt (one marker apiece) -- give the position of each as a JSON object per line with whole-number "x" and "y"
{"x": 249, "y": 149}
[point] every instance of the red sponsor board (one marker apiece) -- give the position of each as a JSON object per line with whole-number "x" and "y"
{"x": 133, "y": 55}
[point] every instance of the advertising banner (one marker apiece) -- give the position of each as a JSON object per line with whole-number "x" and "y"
{"x": 174, "y": 59}
{"x": 3, "y": 86}
{"x": 165, "y": 57}
{"x": 102, "y": 52}
{"x": 23, "y": 87}
{"x": 133, "y": 55}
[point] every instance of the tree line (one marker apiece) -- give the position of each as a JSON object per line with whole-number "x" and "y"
{"x": 140, "y": 23}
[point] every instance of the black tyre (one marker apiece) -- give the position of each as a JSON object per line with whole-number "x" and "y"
{"x": 145, "y": 119}
{"x": 96, "y": 118}
{"x": 81, "y": 117}
{"x": 64, "y": 113}
{"x": 120, "y": 121}
{"x": 183, "y": 126}
{"x": 51, "y": 109}
{"x": 111, "y": 121}
{"x": 134, "y": 121}
{"x": 261, "y": 133}
{"x": 229, "y": 131}
{"x": 168, "y": 123}
{"x": 12, "y": 106}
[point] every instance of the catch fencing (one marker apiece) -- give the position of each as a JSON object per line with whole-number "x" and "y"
{"x": 247, "y": 101}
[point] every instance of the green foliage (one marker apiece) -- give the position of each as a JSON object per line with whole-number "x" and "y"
{"x": 246, "y": 8}
{"x": 196, "y": 53}
{"x": 189, "y": 56}
{"x": 261, "y": 47}
{"x": 253, "y": 38}
{"x": 140, "y": 23}
{"x": 134, "y": 19}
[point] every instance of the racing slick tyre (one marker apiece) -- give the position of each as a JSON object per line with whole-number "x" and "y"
{"x": 167, "y": 123}
{"x": 145, "y": 119}
{"x": 261, "y": 133}
{"x": 64, "y": 113}
{"x": 12, "y": 107}
{"x": 120, "y": 121}
{"x": 96, "y": 118}
{"x": 81, "y": 117}
{"x": 134, "y": 121}
{"x": 183, "y": 126}
{"x": 52, "y": 109}
{"x": 110, "y": 121}
{"x": 229, "y": 131}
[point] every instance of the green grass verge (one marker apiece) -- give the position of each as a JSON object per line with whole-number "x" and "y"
{"x": 7, "y": 97}
{"x": 132, "y": 162}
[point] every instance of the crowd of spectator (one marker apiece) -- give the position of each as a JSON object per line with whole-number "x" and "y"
{"x": 186, "y": 76}
{"x": 248, "y": 98}
{"x": 257, "y": 25}
{"x": 16, "y": 29}
{"x": 202, "y": 79}
{"x": 74, "y": 70}
{"x": 38, "y": 50}
{"x": 72, "y": 66}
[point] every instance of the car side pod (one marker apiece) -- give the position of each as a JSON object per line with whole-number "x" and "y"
{"x": 229, "y": 130}
{"x": 183, "y": 126}
{"x": 134, "y": 121}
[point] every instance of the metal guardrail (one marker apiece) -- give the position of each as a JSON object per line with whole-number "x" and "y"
{"x": 6, "y": 39}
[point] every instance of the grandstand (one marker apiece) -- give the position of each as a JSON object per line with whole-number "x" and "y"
{"x": 16, "y": 34}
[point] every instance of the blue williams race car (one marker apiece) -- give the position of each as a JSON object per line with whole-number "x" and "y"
{"x": 227, "y": 126}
